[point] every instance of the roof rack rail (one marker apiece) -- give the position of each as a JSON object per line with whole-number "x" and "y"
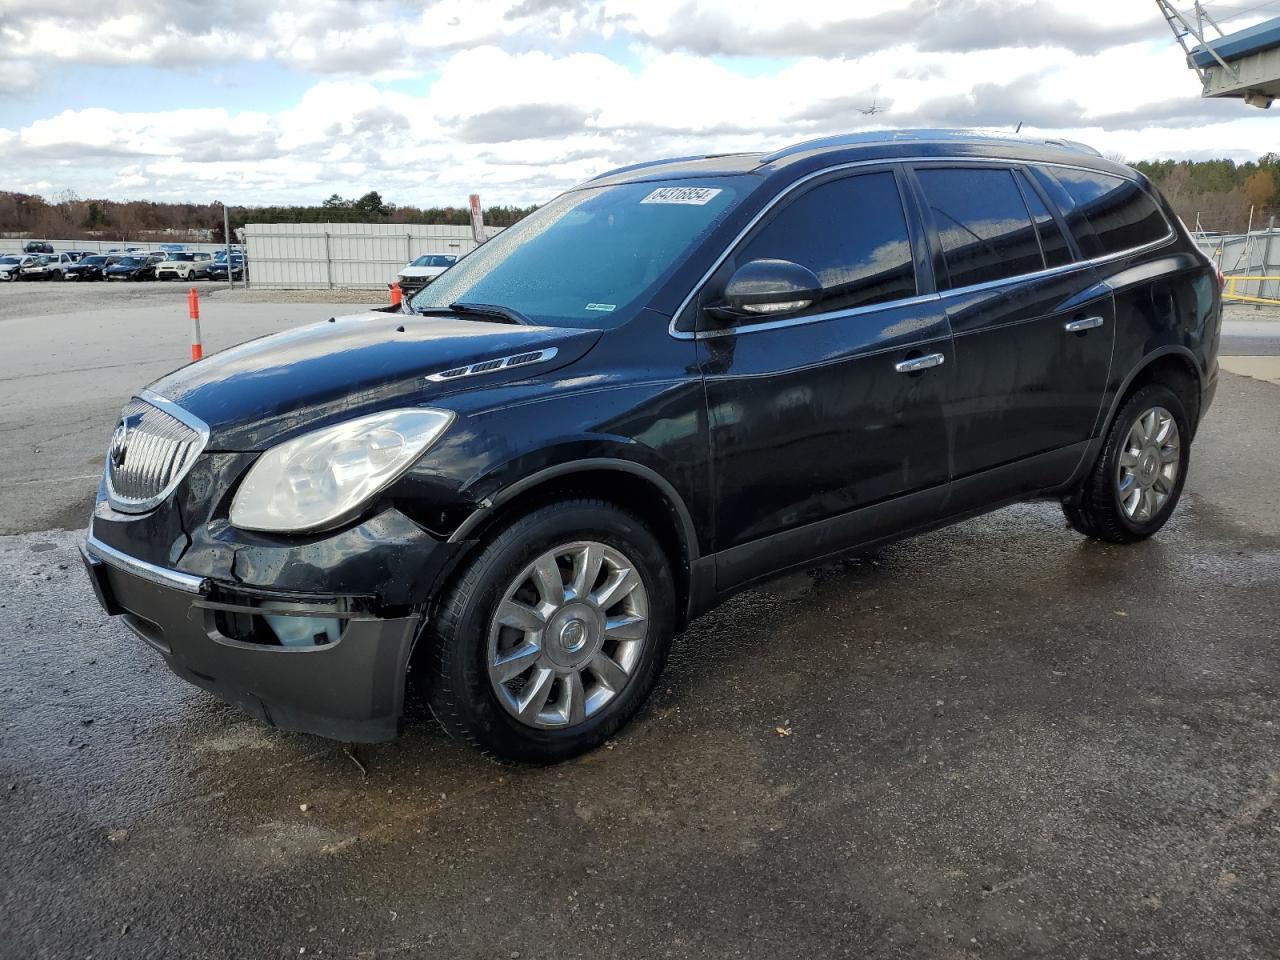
{"x": 640, "y": 166}
{"x": 918, "y": 136}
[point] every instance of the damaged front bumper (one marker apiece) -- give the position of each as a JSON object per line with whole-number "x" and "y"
{"x": 348, "y": 684}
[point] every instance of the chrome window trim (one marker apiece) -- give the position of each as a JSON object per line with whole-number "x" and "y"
{"x": 162, "y": 576}
{"x": 190, "y": 420}
{"x": 812, "y": 318}
{"x": 906, "y": 301}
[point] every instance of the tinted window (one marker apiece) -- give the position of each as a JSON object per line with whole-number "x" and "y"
{"x": 851, "y": 233}
{"x": 1052, "y": 243}
{"x": 1119, "y": 211}
{"x": 982, "y": 223}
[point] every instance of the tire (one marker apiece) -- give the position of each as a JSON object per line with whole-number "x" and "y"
{"x": 461, "y": 679}
{"x": 1129, "y": 496}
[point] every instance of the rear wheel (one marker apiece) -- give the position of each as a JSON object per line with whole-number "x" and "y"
{"x": 554, "y": 634}
{"x": 1136, "y": 483}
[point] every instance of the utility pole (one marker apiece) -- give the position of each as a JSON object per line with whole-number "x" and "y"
{"x": 226, "y": 237}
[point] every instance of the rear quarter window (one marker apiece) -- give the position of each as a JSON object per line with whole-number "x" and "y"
{"x": 1118, "y": 213}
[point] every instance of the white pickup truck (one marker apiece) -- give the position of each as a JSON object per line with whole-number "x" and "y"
{"x": 422, "y": 271}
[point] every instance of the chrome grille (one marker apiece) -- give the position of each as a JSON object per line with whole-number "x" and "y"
{"x": 153, "y": 447}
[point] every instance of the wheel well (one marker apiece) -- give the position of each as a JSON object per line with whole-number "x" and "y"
{"x": 626, "y": 490}
{"x": 1179, "y": 375}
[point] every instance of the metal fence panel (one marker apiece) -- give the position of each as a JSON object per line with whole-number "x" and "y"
{"x": 298, "y": 256}
{"x": 1255, "y": 254}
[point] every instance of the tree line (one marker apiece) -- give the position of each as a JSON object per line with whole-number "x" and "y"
{"x": 70, "y": 217}
{"x": 1218, "y": 194}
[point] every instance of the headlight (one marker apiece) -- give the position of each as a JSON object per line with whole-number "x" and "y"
{"x": 316, "y": 480}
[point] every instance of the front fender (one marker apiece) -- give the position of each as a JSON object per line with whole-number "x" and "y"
{"x": 654, "y": 430}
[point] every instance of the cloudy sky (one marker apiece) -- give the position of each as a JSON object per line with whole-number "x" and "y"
{"x": 261, "y": 101}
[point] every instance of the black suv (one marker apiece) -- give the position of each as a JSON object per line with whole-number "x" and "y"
{"x": 665, "y": 385}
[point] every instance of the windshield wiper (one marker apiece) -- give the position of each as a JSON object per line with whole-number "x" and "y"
{"x": 488, "y": 311}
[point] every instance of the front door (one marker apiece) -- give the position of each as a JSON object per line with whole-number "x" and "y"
{"x": 827, "y": 427}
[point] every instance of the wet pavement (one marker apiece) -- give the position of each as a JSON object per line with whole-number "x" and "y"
{"x": 997, "y": 740}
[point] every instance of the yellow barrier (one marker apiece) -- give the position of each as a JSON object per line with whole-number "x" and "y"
{"x": 1229, "y": 291}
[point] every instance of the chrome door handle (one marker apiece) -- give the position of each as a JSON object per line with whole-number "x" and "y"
{"x": 1085, "y": 323}
{"x": 916, "y": 364}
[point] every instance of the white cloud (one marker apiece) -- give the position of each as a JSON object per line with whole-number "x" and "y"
{"x": 521, "y": 98}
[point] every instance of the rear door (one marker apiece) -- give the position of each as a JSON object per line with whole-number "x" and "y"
{"x": 823, "y": 433}
{"x": 1033, "y": 331}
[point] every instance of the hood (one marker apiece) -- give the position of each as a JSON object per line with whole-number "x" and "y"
{"x": 422, "y": 271}
{"x": 253, "y": 395}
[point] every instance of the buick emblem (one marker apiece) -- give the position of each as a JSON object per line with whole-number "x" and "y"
{"x": 119, "y": 444}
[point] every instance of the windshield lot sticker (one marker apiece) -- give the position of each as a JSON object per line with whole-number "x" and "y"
{"x": 603, "y": 307}
{"x": 695, "y": 196}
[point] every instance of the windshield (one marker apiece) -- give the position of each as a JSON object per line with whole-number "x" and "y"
{"x": 587, "y": 258}
{"x": 182, "y": 256}
{"x": 93, "y": 261}
{"x": 434, "y": 260}
{"x": 129, "y": 262}
{"x": 9, "y": 260}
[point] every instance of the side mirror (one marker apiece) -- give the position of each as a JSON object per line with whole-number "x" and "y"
{"x": 767, "y": 287}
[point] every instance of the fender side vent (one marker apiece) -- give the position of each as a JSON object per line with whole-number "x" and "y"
{"x": 498, "y": 363}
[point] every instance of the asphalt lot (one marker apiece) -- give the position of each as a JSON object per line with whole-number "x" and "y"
{"x": 75, "y": 352}
{"x": 997, "y": 740}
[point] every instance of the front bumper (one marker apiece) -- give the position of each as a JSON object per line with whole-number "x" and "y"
{"x": 350, "y": 690}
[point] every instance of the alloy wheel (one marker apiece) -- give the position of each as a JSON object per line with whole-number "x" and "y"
{"x": 1148, "y": 466}
{"x": 568, "y": 634}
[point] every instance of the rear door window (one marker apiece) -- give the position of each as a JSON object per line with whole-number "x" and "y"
{"x": 1118, "y": 212}
{"x": 852, "y": 233}
{"x": 1052, "y": 243}
{"x": 982, "y": 223}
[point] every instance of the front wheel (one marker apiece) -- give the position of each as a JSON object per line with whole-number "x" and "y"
{"x": 1136, "y": 483}
{"x": 553, "y": 636}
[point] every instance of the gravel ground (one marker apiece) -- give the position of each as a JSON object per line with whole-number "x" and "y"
{"x": 336, "y": 295}
{"x": 1250, "y": 311}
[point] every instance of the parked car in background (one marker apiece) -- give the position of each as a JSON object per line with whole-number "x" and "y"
{"x": 184, "y": 266}
{"x": 43, "y": 266}
{"x": 664, "y": 386}
{"x": 59, "y": 263}
{"x": 423, "y": 270}
{"x": 218, "y": 268}
{"x": 37, "y": 246}
{"x": 12, "y": 263}
{"x": 132, "y": 267}
{"x": 90, "y": 267}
